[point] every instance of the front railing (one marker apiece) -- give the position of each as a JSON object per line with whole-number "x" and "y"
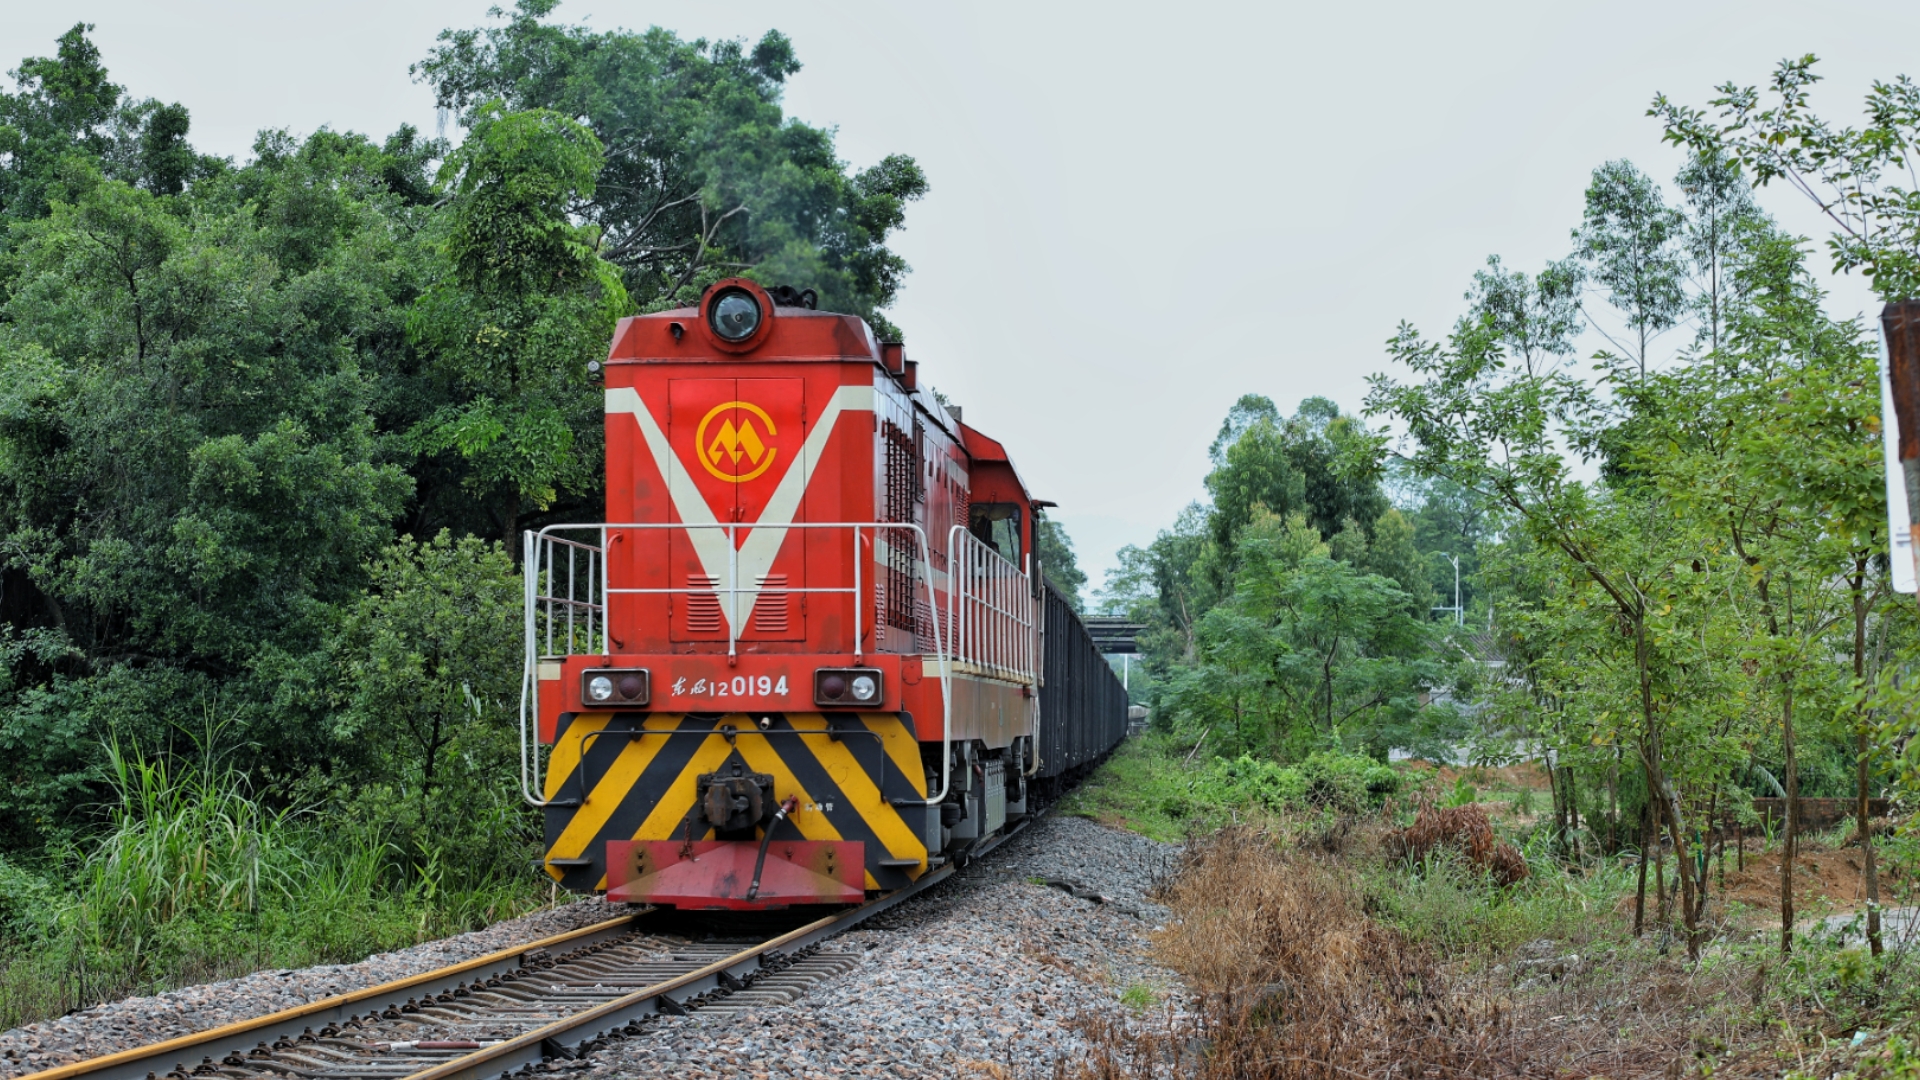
{"x": 568, "y": 596}
{"x": 992, "y": 617}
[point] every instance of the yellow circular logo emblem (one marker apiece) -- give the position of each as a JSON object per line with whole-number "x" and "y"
{"x": 737, "y": 444}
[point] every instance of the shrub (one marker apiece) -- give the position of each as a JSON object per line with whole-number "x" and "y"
{"x": 1327, "y": 779}
{"x": 1463, "y": 829}
{"x": 1149, "y": 787}
{"x": 1294, "y": 978}
{"x": 1249, "y": 781}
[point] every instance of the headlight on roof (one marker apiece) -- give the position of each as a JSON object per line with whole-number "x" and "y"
{"x": 735, "y": 315}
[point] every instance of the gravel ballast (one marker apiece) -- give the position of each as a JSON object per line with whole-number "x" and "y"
{"x": 132, "y": 1022}
{"x": 985, "y": 974}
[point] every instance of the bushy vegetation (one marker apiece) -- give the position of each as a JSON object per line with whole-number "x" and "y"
{"x": 196, "y": 876}
{"x": 1290, "y": 919}
{"x": 269, "y": 430}
{"x": 1147, "y": 787}
{"x": 1678, "y": 552}
{"x": 1290, "y": 615}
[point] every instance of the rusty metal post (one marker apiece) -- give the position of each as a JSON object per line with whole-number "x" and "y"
{"x": 1900, "y": 321}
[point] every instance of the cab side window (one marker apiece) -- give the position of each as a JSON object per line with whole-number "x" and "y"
{"x": 998, "y": 526}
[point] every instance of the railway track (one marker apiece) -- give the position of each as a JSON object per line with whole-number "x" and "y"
{"x": 559, "y": 997}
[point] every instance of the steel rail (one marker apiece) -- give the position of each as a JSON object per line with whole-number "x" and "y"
{"x": 566, "y": 1037}
{"x": 184, "y": 1053}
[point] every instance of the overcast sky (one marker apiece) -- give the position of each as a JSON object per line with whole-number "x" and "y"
{"x": 1139, "y": 212}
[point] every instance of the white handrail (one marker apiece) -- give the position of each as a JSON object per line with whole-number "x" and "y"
{"x": 992, "y": 609}
{"x": 535, "y": 542}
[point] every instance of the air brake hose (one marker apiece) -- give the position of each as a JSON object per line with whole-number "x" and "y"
{"x": 760, "y": 863}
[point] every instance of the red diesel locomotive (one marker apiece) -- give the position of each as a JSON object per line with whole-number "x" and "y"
{"x": 809, "y": 655}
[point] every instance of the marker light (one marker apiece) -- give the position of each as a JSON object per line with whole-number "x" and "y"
{"x": 847, "y": 686}
{"x": 735, "y": 315}
{"x": 614, "y": 687}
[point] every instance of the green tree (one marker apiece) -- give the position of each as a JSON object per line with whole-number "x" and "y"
{"x": 1387, "y": 550}
{"x": 1057, "y": 560}
{"x": 192, "y": 475}
{"x": 1632, "y": 238}
{"x": 1249, "y": 410}
{"x": 1534, "y": 317}
{"x": 1169, "y": 585}
{"x": 703, "y": 176}
{"x": 527, "y": 303}
{"x": 64, "y": 106}
{"x": 67, "y": 114}
{"x": 1309, "y": 651}
{"x": 1721, "y": 211}
{"x": 1859, "y": 177}
{"x": 1492, "y": 428}
{"x": 1307, "y": 463}
{"x": 1775, "y": 438}
{"x": 429, "y": 683}
{"x": 1451, "y": 521}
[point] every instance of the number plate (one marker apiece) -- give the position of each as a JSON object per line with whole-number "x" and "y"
{"x": 703, "y": 686}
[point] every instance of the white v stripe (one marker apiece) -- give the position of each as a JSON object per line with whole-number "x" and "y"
{"x": 762, "y": 545}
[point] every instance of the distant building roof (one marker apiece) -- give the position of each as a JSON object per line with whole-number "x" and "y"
{"x": 1115, "y": 634}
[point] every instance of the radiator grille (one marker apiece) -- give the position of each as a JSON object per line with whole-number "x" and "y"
{"x": 894, "y": 593}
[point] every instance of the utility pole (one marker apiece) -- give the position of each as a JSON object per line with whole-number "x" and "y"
{"x": 1459, "y": 617}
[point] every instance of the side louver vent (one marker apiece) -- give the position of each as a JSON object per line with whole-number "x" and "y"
{"x": 770, "y": 612}
{"x": 703, "y": 607}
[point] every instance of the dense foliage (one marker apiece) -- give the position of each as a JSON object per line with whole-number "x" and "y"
{"x": 265, "y": 424}
{"x": 703, "y": 176}
{"x": 1291, "y": 614}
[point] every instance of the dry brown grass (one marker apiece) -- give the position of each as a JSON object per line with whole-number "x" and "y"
{"x": 1465, "y": 829}
{"x": 1291, "y": 976}
{"x": 1295, "y": 980}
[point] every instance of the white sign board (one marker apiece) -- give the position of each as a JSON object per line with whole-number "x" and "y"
{"x": 1899, "y": 525}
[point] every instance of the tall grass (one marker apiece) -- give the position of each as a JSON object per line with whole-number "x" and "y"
{"x": 184, "y": 842}
{"x": 1447, "y": 902}
{"x": 197, "y": 876}
{"x": 1294, "y": 979}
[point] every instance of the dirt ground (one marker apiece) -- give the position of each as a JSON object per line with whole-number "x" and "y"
{"x": 1836, "y": 877}
{"x": 1525, "y": 774}
{"x": 1825, "y": 882}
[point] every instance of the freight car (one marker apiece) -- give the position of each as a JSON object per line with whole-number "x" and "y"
{"x": 809, "y": 656}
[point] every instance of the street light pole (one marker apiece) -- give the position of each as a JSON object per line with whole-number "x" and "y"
{"x": 1459, "y": 616}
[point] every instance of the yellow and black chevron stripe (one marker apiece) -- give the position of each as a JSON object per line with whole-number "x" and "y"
{"x": 627, "y": 776}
